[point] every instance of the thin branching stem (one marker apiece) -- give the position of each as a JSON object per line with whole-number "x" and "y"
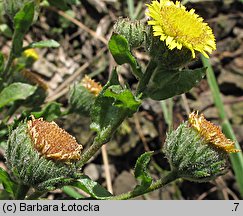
{"x": 170, "y": 177}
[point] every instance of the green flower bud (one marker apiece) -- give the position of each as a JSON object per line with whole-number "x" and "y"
{"x": 197, "y": 150}
{"x": 12, "y": 7}
{"x": 165, "y": 57}
{"x": 133, "y": 31}
{"x": 39, "y": 154}
{"x": 82, "y": 96}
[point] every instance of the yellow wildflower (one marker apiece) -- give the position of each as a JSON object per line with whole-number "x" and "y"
{"x": 180, "y": 28}
{"x": 211, "y": 133}
{"x": 31, "y": 53}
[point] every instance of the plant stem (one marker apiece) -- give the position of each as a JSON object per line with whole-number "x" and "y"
{"x": 8, "y": 65}
{"x": 21, "y": 191}
{"x": 171, "y": 176}
{"x": 236, "y": 158}
{"x": 90, "y": 151}
{"x": 146, "y": 77}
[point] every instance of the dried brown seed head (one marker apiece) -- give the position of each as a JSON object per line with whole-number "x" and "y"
{"x": 53, "y": 142}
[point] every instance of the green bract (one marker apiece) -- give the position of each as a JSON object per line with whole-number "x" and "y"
{"x": 166, "y": 58}
{"x": 29, "y": 168}
{"x": 81, "y": 100}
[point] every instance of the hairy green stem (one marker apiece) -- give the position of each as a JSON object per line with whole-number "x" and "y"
{"x": 236, "y": 158}
{"x": 171, "y": 176}
{"x": 21, "y": 191}
{"x": 97, "y": 144}
{"x": 100, "y": 140}
{"x": 146, "y": 77}
{"x": 6, "y": 70}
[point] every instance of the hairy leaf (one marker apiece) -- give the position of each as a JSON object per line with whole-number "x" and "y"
{"x": 44, "y": 44}
{"x": 91, "y": 187}
{"x": 120, "y": 50}
{"x": 22, "y": 22}
{"x": 168, "y": 83}
{"x": 16, "y": 91}
{"x": 111, "y": 107}
{"x": 141, "y": 172}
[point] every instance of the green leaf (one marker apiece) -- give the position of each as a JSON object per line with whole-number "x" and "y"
{"x": 141, "y": 172}
{"x": 123, "y": 98}
{"x": 22, "y": 22}
{"x": 92, "y": 188}
{"x": 44, "y": 44}
{"x": 50, "y": 112}
{"x": 6, "y": 181}
{"x": 72, "y": 192}
{"x": 16, "y": 91}
{"x": 168, "y": 83}
{"x": 111, "y": 107}
{"x": 120, "y": 50}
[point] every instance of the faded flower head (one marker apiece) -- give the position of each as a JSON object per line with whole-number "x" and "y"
{"x": 211, "y": 133}
{"x": 92, "y": 86}
{"x": 180, "y": 28}
{"x": 53, "y": 142}
{"x": 39, "y": 154}
{"x": 197, "y": 150}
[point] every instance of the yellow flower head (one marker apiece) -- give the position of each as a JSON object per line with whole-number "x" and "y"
{"x": 211, "y": 133}
{"x": 92, "y": 86}
{"x": 31, "y": 53}
{"x": 180, "y": 28}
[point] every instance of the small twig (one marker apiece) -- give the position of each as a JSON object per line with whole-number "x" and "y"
{"x": 231, "y": 193}
{"x": 186, "y": 104}
{"x": 140, "y": 133}
{"x": 106, "y": 168}
{"x": 222, "y": 187}
{"x": 80, "y": 25}
{"x": 170, "y": 177}
{"x": 205, "y": 194}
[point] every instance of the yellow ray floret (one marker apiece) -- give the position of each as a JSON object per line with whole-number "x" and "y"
{"x": 180, "y": 28}
{"x": 211, "y": 133}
